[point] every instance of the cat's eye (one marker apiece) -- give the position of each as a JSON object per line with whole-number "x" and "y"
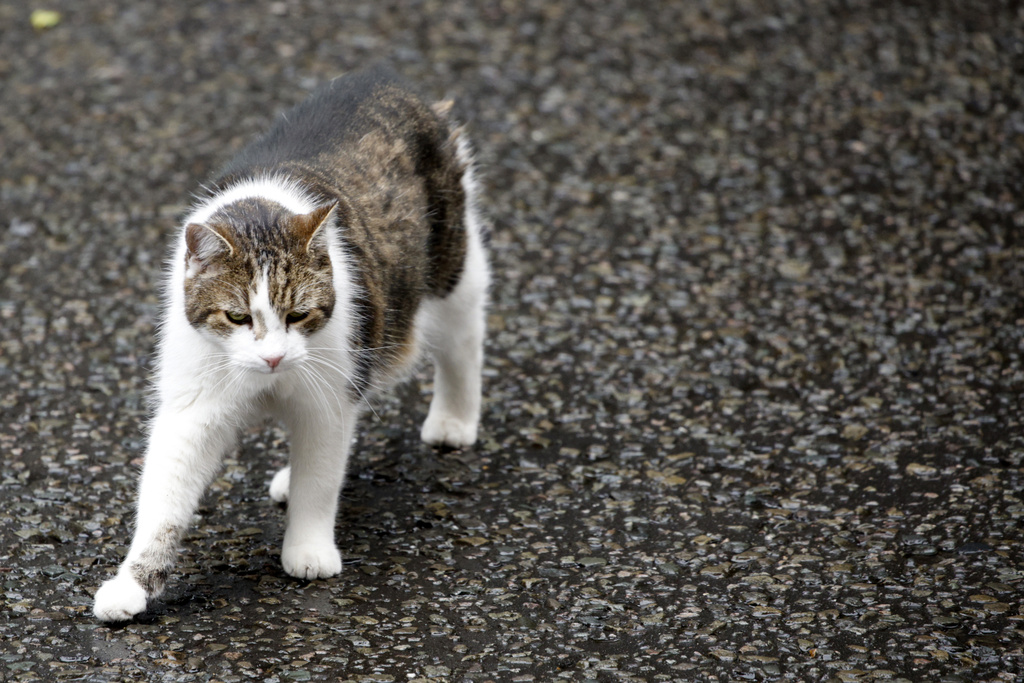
{"x": 296, "y": 316}
{"x": 238, "y": 318}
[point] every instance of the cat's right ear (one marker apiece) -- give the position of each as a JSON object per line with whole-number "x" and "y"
{"x": 205, "y": 244}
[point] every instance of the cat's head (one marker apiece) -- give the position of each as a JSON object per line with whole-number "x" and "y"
{"x": 258, "y": 282}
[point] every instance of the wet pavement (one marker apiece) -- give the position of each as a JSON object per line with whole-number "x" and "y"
{"x": 753, "y": 394}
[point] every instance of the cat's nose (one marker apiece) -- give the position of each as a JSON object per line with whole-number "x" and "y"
{"x": 273, "y": 361}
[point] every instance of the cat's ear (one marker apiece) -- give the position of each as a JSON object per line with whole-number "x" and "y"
{"x": 443, "y": 108}
{"x": 310, "y": 228}
{"x": 204, "y": 244}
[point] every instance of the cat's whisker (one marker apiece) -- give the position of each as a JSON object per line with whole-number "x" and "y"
{"x": 227, "y": 381}
{"x": 322, "y": 384}
{"x": 350, "y": 380}
{"x": 337, "y": 368}
{"x": 219, "y": 359}
{"x": 217, "y": 368}
{"x": 325, "y": 364}
{"x": 325, "y": 393}
{"x": 213, "y": 375}
{"x": 357, "y": 351}
{"x": 315, "y": 390}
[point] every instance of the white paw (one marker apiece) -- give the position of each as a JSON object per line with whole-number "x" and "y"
{"x": 440, "y": 429}
{"x": 119, "y": 599}
{"x": 311, "y": 561}
{"x": 279, "y": 485}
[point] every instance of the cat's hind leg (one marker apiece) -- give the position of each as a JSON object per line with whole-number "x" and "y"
{"x": 453, "y": 329}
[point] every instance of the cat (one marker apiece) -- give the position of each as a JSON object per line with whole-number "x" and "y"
{"x": 323, "y": 259}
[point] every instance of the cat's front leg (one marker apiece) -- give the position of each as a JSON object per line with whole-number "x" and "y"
{"x": 182, "y": 457}
{"x": 320, "y": 450}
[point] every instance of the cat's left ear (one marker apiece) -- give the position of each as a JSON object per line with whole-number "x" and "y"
{"x": 310, "y": 228}
{"x": 443, "y": 108}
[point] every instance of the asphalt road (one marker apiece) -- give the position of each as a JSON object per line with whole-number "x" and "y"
{"x": 754, "y": 377}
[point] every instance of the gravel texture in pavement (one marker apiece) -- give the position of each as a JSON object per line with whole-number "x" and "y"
{"x": 754, "y": 368}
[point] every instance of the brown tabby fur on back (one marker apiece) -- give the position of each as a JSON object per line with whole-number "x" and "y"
{"x": 389, "y": 164}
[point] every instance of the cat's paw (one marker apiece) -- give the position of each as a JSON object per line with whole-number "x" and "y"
{"x": 119, "y": 599}
{"x": 311, "y": 561}
{"x": 441, "y": 429}
{"x": 279, "y": 485}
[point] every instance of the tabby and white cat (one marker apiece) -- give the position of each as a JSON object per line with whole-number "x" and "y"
{"x": 326, "y": 256}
